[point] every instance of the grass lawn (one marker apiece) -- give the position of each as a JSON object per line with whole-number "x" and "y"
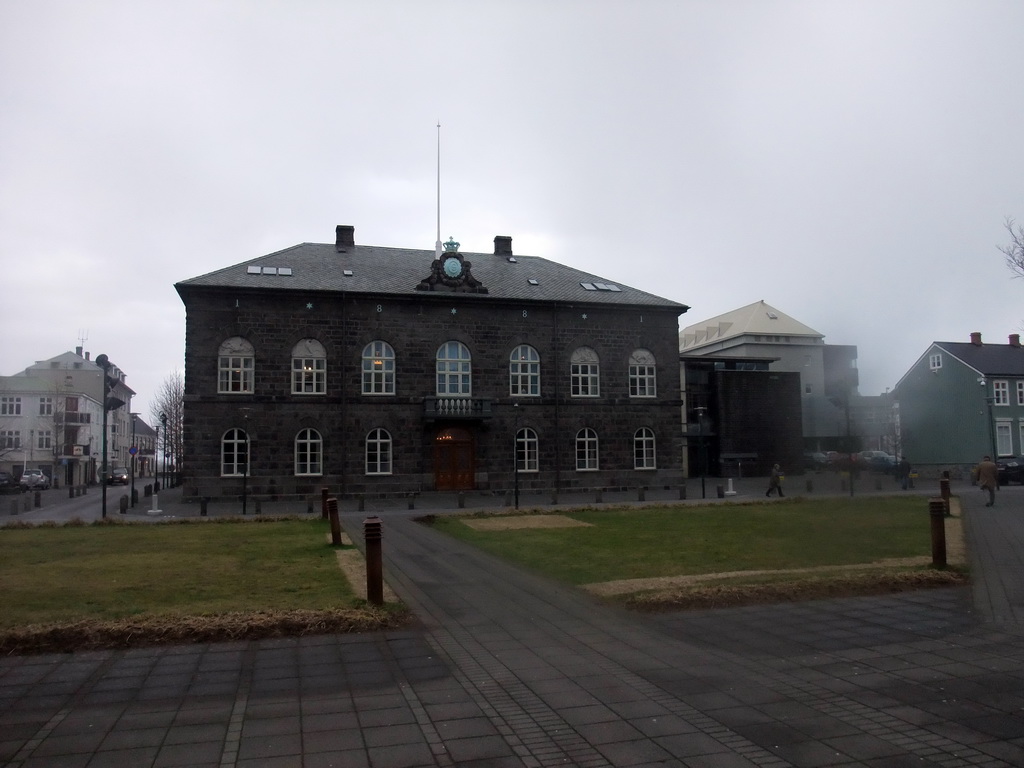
{"x": 684, "y": 540}
{"x": 106, "y": 572}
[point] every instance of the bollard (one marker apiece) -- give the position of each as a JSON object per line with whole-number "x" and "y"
{"x": 944, "y": 489}
{"x": 14, "y": 508}
{"x": 332, "y": 513}
{"x": 309, "y": 506}
{"x": 362, "y": 502}
{"x": 682, "y": 492}
{"x": 462, "y": 500}
{"x": 598, "y": 498}
{"x": 554, "y": 497}
{"x": 720, "y": 490}
{"x": 937, "y": 511}
{"x": 323, "y": 502}
{"x": 204, "y": 504}
{"x": 259, "y": 507}
{"x": 412, "y": 501}
{"x": 37, "y": 502}
{"x": 374, "y": 561}
{"x": 122, "y": 505}
{"x": 641, "y": 494}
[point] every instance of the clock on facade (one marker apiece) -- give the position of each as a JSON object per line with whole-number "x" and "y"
{"x": 452, "y": 267}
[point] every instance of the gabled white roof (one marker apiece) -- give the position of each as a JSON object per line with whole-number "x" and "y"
{"x": 758, "y": 318}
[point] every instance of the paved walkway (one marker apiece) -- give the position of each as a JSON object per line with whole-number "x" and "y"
{"x": 510, "y": 669}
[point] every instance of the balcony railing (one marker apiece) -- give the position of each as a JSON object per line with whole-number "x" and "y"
{"x": 73, "y": 417}
{"x": 456, "y": 408}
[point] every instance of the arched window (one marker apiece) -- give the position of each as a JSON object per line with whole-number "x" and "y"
{"x": 643, "y": 376}
{"x": 643, "y": 449}
{"x": 235, "y": 363}
{"x": 524, "y": 372}
{"x": 454, "y": 370}
{"x": 378, "y": 369}
{"x": 527, "y": 450}
{"x": 586, "y": 450}
{"x": 585, "y": 373}
{"x": 234, "y": 453}
{"x": 309, "y": 453}
{"x": 309, "y": 368}
{"x": 378, "y": 452}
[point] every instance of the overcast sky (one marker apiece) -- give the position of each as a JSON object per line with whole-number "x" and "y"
{"x": 850, "y": 163}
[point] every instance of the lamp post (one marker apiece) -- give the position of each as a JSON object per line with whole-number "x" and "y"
{"x": 156, "y": 460}
{"x": 701, "y": 454}
{"x": 515, "y": 455}
{"x": 989, "y": 401}
{"x": 109, "y": 403}
{"x": 245, "y": 466}
{"x": 132, "y": 451}
{"x": 163, "y": 420}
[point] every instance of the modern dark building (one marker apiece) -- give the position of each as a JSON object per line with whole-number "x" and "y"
{"x": 379, "y": 371}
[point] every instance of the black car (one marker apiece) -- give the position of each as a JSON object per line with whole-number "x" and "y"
{"x": 118, "y": 476}
{"x": 1011, "y": 470}
{"x": 8, "y": 484}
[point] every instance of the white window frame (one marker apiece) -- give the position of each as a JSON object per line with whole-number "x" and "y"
{"x": 236, "y": 363}
{"x": 644, "y": 449}
{"x": 1020, "y": 398}
{"x": 935, "y": 361}
{"x": 527, "y": 451}
{"x": 236, "y": 442}
{"x": 524, "y": 372}
{"x": 378, "y": 369}
{"x": 309, "y": 453}
{"x": 309, "y": 368}
{"x": 10, "y": 439}
{"x": 46, "y": 406}
{"x": 1000, "y": 392}
{"x": 44, "y": 440}
{"x": 643, "y": 374}
{"x": 587, "y": 447}
{"x": 10, "y": 406}
{"x": 379, "y": 456}
{"x": 1004, "y": 438}
{"x": 584, "y": 373}
{"x": 454, "y": 366}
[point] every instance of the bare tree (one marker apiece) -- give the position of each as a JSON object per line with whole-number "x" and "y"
{"x": 170, "y": 402}
{"x": 1014, "y": 250}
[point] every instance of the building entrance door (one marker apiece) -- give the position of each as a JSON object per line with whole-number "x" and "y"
{"x": 454, "y": 465}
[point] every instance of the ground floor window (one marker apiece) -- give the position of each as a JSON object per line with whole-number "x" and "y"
{"x": 643, "y": 449}
{"x": 234, "y": 453}
{"x": 309, "y": 448}
{"x": 527, "y": 451}
{"x": 378, "y": 452}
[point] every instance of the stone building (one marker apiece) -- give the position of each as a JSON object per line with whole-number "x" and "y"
{"x": 380, "y": 371}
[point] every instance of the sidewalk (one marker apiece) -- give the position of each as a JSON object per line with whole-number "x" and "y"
{"x": 510, "y": 669}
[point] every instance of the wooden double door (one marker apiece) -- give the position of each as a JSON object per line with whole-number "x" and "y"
{"x": 454, "y": 459}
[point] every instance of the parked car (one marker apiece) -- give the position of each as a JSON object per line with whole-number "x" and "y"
{"x": 1011, "y": 470}
{"x": 33, "y": 479}
{"x": 879, "y": 461}
{"x": 815, "y": 460}
{"x": 8, "y": 484}
{"x": 118, "y": 476}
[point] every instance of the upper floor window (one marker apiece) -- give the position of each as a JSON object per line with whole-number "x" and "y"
{"x": 643, "y": 449}
{"x": 527, "y": 451}
{"x": 454, "y": 370}
{"x": 10, "y": 406}
{"x": 46, "y": 406}
{"x": 378, "y": 452}
{"x": 584, "y": 373}
{"x": 1001, "y": 392}
{"x": 378, "y": 369}
{"x": 44, "y": 439}
{"x": 309, "y": 453}
{"x": 934, "y": 362}
{"x": 643, "y": 377}
{"x": 524, "y": 371}
{"x": 1020, "y": 395}
{"x": 10, "y": 438}
{"x": 235, "y": 363}
{"x": 309, "y": 368}
{"x": 234, "y": 453}
{"x": 586, "y": 450}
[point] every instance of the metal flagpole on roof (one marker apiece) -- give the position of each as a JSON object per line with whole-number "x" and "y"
{"x": 437, "y": 244}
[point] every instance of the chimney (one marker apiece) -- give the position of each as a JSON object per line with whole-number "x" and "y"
{"x": 78, "y": 351}
{"x": 976, "y": 338}
{"x": 87, "y": 355}
{"x": 502, "y": 245}
{"x": 345, "y": 235}
{"x": 1015, "y": 340}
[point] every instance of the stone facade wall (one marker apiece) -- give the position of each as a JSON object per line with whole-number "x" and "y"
{"x": 416, "y": 326}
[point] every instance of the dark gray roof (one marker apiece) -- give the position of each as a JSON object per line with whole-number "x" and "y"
{"x": 989, "y": 359}
{"x": 397, "y": 271}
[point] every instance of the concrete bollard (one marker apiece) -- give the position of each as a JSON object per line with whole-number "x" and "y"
{"x": 37, "y": 501}
{"x": 204, "y": 504}
{"x": 122, "y": 504}
{"x": 323, "y": 502}
{"x": 937, "y": 511}
{"x": 332, "y": 514}
{"x": 374, "y": 561}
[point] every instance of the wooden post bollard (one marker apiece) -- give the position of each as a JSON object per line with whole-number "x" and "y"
{"x": 323, "y": 502}
{"x": 720, "y": 491}
{"x": 937, "y": 513}
{"x": 332, "y": 513}
{"x": 374, "y": 561}
{"x": 682, "y": 492}
{"x": 944, "y": 492}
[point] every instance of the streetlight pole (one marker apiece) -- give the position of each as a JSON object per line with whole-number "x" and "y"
{"x": 133, "y": 450}
{"x": 163, "y": 420}
{"x": 245, "y": 466}
{"x": 109, "y": 403}
{"x": 515, "y": 454}
{"x": 701, "y": 454}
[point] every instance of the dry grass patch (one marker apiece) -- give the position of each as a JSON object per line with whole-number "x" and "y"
{"x": 520, "y": 522}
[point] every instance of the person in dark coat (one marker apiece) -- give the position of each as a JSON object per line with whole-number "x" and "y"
{"x": 775, "y": 481}
{"x": 903, "y": 473}
{"x": 988, "y": 478}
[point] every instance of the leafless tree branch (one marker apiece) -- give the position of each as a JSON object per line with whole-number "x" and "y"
{"x": 1014, "y": 250}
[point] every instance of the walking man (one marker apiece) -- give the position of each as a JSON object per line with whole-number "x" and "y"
{"x": 988, "y": 478}
{"x": 775, "y": 481}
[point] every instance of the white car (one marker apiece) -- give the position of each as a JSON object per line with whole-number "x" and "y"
{"x": 32, "y": 479}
